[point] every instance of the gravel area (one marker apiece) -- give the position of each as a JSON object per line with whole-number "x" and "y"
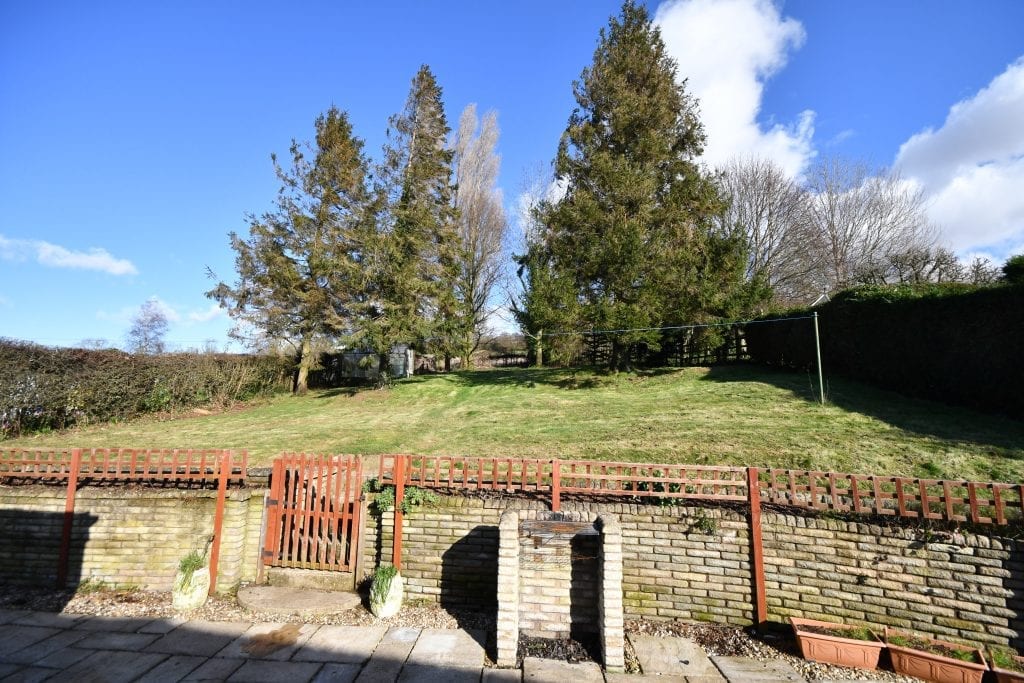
{"x": 157, "y": 605}
{"x": 716, "y": 640}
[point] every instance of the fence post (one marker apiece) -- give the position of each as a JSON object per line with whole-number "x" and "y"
{"x": 396, "y": 549}
{"x": 817, "y": 348}
{"x": 224, "y": 473}
{"x": 69, "y": 518}
{"x": 756, "y": 548}
{"x": 556, "y": 485}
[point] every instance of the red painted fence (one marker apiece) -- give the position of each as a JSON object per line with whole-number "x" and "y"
{"x": 934, "y": 499}
{"x": 95, "y": 465}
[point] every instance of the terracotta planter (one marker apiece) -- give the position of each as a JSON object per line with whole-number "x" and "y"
{"x": 935, "y": 667}
{"x": 829, "y": 649}
{"x": 1006, "y": 675}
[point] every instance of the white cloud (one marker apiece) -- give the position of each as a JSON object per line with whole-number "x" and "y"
{"x": 169, "y": 311}
{"x": 972, "y": 167}
{"x": 214, "y": 311}
{"x": 56, "y": 256}
{"x": 728, "y": 49}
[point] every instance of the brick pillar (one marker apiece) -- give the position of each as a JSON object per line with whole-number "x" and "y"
{"x": 508, "y": 588}
{"x": 612, "y": 628}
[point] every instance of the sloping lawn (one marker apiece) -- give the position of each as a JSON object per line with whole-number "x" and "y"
{"x": 735, "y": 415}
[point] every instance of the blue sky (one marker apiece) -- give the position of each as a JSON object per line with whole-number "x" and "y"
{"x": 136, "y": 135}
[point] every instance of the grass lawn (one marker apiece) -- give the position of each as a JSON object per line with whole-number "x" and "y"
{"x": 735, "y": 415}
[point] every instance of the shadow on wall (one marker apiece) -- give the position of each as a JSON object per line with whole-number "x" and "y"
{"x": 469, "y": 572}
{"x": 30, "y": 551}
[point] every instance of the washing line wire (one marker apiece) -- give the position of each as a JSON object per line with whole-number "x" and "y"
{"x": 562, "y": 333}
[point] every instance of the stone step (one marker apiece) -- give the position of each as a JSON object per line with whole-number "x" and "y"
{"x": 310, "y": 578}
{"x": 302, "y": 602}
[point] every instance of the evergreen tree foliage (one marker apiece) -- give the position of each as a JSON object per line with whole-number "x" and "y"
{"x": 632, "y": 241}
{"x": 415, "y": 264}
{"x": 301, "y": 274}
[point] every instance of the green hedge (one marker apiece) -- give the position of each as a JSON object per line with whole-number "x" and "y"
{"x": 53, "y": 388}
{"x": 952, "y": 343}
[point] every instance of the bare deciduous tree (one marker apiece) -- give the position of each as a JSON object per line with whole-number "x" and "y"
{"x": 859, "y": 216}
{"x": 769, "y": 210}
{"x": 482, "y": 225}
{"x": 148, "y": 329}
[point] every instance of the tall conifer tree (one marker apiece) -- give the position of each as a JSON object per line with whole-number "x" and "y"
{"x": 415, "y": 261}
{"x": 631, "y": 238}
{"x": 300, "y": 271}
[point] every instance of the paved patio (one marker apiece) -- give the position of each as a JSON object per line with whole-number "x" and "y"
{"x": 39, "y": 646}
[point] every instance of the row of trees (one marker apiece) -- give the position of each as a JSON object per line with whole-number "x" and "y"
{"x": 845, "y": 224}
{"x": 638, "y": 238}
{"x": 371, "y": 254}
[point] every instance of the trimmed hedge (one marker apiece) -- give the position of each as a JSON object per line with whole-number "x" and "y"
{"x": 952, "y": 343}
{"x": 54, "y": 388}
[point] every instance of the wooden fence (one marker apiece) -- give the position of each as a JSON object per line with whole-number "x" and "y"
{"x": 926, "y": 499}
{"x": 77, "y": 466}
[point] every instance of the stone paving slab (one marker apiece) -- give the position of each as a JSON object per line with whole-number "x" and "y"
{"x": 449, "y": 649}
{"x": 217, "y": 669}
{"x": 537, "y": 670}
{"x": 16, "y": 637}
{"x": 203, "y": 638}
{"x": 672, "y": 656}
{"x": 271, "y": 641}
{"x": 300, "y": 602}
{"x": 388, "y": 659}
{"x": 172, "y": 669}
{"x": 641, "y": 678}
{"x": 419, "y": 673}
{"x": 33, "y": 653}
{"x": 119, "y": 624}
{"x": 747, "y": 669}
{"x": 263, "y": 671}
{"x": 111, "y": 667}
{"x": 338, "y": 673}
{"x": 341, "y": 644}
{"x": 9, "y": 615}
{"x": 62, "y": 659}
{"x": 48, "y": 619}
{"x": 30, "y": 674}
{"x": 132, "y": 642}
{"x": 503, "y": 676}
{"x": 162, "y": 626}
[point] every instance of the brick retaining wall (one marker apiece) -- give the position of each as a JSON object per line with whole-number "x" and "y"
{"x": 124, "y": 537}
{"x": 693, "y": 563}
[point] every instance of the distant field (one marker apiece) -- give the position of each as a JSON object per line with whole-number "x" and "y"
{"x": 733, "y": 415}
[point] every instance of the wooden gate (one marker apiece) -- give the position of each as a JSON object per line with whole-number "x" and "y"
{"x": 313, "y": 512}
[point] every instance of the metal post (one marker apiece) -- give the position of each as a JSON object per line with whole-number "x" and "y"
{"x": 817, "y": 348}
{"x": 69, "y": 517}
{"x": 396, "y": 548}
{"x": 556, "y": 485}
{"x": 756, "y": 548}
{"x": 224, "y": 473}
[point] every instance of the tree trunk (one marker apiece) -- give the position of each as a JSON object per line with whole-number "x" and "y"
{"x": 305, "y": 361}
{"x": 447, "y": 362}
{"x": 540, "y": 348}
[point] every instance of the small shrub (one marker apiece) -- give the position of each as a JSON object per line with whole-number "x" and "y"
{"x": 189, "y": 564}
{"x": 381, "y": 584}
{"x": 385, "y": 497}
{"x": 1005, "y": 658}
